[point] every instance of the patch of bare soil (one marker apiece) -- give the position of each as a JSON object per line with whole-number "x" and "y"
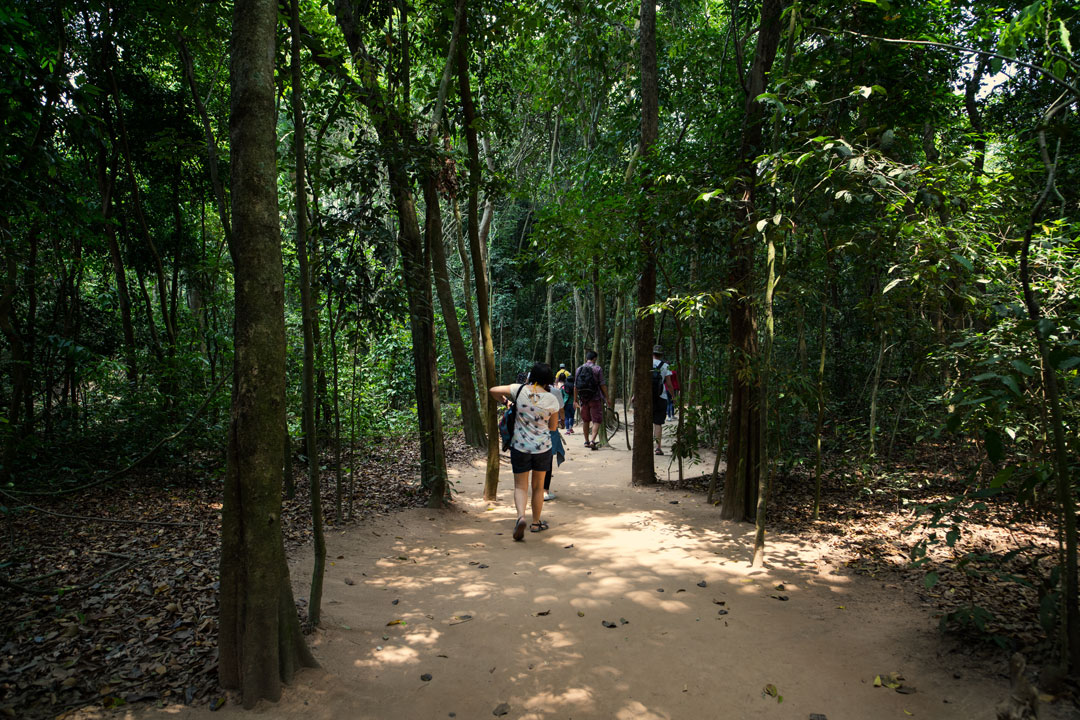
{"x": 110, "y": 595}
{"x": 986, "y": 567}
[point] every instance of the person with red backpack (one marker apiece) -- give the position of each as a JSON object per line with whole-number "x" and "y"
{"x": 590, "y": 394}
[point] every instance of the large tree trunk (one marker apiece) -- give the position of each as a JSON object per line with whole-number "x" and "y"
{"x": 416, "y": 267}
{"x": 308, "y": 321}
{"x": 260, "y": 643}
{"x": 491, "y": 480}
{"x": 433, "y": 231}
{"x": 642, "y": 471}
{"x": 744, "y": 442}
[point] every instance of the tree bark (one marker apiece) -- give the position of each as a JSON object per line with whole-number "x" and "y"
{"x": 471, "y": 421}
{"x": 744, "y": 442}
{"x": 308, "y": 320}
{"x": 260, "y": 643}
{"x": 549, "y": 346}
{"x": 107, "y": 185}
{"x": 470, "y": 315}
{"x": 763, "y": 465}
{"x": 1070, "y": 621}
{"x": 642, "y": 469}
{"x": 491, "y": 480}
{"x": 874, "y": 393}
{"x": 395, "y": 135}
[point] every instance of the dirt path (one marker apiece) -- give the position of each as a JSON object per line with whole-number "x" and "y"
{"x": 493, "y": 621}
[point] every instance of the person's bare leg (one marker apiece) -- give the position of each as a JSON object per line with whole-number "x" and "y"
{"x": 537, "y": 494}
{"x": 521, "y": 492}
{"x": 658, "y": 433}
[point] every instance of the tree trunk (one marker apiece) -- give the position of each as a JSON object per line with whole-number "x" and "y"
{"x": 416, "y": 268}
{"x": 260, "y": 643}
{"x": 20, "y": 369}
{"x": 136, "y": 198}
{"x": 491, "y": 481}
{"x": 308, "y": 321}
{"x": 580, "y": 330}
{"x": 335, "y": 377}
{"x": 642, "y": 470}
{"x": 1070, "y": 620}
{"x": 549, "y": 347}
{"x": 722, "y": 413}
{"x": 600, "y": 312}
{"x": 763, "y": 465}
{"x": 744, "y": 442}
{"x": 395, "y": 133}
{"x": 433, "y": 233}
{"x": 107, "y": 185}
{"x": 874, "y": 392}
{"x": 819, "y": 425}
{"x": 470, "y": 316}
{"x": 613, "y": 369}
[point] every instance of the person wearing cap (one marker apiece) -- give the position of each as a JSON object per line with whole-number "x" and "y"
{"x": 562, "y": 374}
{"x": 662, "y": 392}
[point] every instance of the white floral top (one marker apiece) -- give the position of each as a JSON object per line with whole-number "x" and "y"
{"x": 531, "y": 433}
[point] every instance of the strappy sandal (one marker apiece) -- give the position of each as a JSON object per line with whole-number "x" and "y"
{"x": 519, "y": 529}
{"x": 538, "y": 526}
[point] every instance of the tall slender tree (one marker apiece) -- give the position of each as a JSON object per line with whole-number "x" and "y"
{"x": 309, "y": 318}
{"x": 744, "y": 427}
{"x": 642, "y": 470}
{"x": 260, "y": 643}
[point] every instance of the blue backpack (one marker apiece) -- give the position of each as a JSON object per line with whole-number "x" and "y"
{"x": 506, "y": 421}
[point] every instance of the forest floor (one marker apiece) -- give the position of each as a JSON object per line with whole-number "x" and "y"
{"x": 637, "y": 603}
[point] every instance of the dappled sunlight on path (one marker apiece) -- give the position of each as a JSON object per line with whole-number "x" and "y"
{"x": 637, "y": 603}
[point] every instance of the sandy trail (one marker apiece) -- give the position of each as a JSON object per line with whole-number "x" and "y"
{"x": 471, "y": 598}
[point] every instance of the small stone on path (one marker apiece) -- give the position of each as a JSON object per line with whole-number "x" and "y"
{"x": 501, "y": 709}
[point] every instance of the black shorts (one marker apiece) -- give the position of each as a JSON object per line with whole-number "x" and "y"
{"x": 524, "y": 462}
{"x": 659, "y": 411}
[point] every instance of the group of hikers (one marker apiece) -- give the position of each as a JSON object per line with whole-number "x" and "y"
{"x": 541, "y": 402}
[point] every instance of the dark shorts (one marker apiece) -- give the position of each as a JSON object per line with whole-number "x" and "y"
{"x": 592, "y": 411}
{"x": 659, "y": 411}
{"x": 524, "y": 462}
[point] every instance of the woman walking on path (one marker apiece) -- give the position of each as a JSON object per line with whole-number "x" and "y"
{"x": 530, "y": 447}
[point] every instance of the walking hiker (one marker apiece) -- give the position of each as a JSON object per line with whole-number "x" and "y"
{"x": 662, "y": 391}
{"x": 562, "y": 375}
{"x": 568, "y": 407}
{"x": 671, "y": 396}
{"x": 536, "y": 415}
{"x": 590, "y": 394}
